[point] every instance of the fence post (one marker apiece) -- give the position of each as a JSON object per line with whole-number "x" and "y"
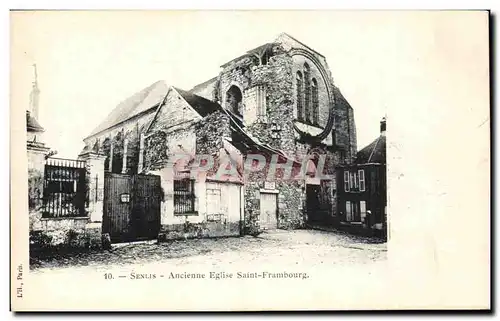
{"x": 95, "y": 173}
{"x": 36, "y": 177}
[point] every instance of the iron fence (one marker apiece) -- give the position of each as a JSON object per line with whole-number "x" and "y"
{"x": 184, "y": 196}
{"x": 65, "y": 188}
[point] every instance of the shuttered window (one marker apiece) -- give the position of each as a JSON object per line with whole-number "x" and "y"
{"x": 361, "y": 176}
{"x": 362, "y": 209}
{"x": 348, "y": 211}
{"x": 346, "y": 181}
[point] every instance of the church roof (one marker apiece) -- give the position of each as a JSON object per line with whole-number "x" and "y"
{"x": 203, "y": 84}
{"x": 256, "y": 50}
{"x": 32, "y": 124}
{"x": 141, "y": 101}
{"x": 202, "y": 106}
{"x": 373, "y": 153}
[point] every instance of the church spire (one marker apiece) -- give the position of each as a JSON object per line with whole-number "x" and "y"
{"x": 34, "y": 95}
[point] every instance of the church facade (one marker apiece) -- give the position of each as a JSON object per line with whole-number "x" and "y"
{"x": 277, "y": 101}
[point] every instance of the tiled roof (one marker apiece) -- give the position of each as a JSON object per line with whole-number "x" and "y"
{"x": 373, "y": 153}
{"x": 203, "y": 84}
{"x": 202, "y": 106}
{"x": 248, "y": 53}
{"x": 143, "y": 100}
{"x": 32, "y": 124}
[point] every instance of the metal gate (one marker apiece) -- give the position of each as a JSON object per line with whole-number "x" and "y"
{"x": 64, "y": 188}
{"x": 131, "y": 207}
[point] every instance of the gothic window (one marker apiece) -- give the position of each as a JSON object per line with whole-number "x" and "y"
{"x": 307, "y": 92}
{"x": 315, "y": 102}
{"x": 300, "y": 97}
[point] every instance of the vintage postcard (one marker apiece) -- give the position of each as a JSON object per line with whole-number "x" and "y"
{"x": 249, "y": 160}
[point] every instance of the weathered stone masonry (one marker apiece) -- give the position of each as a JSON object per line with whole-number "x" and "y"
{"x": 277, "y": 78}
{"x": 252, "y": 106}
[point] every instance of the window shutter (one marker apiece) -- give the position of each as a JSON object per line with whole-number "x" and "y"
{"x": 362, "y": 209}
{"x": 361, "y": 175}
{"x": 348, "y": 211}
{"x": 346, "y": 181}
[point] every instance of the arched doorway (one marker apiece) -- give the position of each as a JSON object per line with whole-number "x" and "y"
{"x": 233, "y": 100}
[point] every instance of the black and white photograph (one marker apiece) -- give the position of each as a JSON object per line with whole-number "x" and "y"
{"x": 222, "y": 153}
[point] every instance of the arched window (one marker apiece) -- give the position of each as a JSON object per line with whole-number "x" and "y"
{"x": 315, "y": 102}
{"x": 233, "y": 100}
{"x": 106, "y": 149}
{"x": 300, "y": 96}
{"x": 117, "y": 160}
{"x": 307, "y": 92}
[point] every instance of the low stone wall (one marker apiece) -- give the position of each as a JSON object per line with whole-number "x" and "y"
{"x": 56, "y": 233}
{"x": 199, "y": 230}
{"x": 360, "y": 229}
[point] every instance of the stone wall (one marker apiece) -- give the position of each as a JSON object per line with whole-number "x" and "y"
{"x": 196, "y": 136}
{"x": 345, "y": 128}
{"x": 291, "y": 202}
{"x": 277, "y": 77}
{"x": 291, "y": 196}
{"x": 210, "y": 132}
{"x": 68, "y": 232}
{"x": 352, "y": 133}
{"x": 217, "y": 210}
{"x": 277, "y": 80}
{"x": 206, "y": 89}
{"x": 77, "y": 232}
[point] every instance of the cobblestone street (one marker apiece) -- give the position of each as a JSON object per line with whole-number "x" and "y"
{"x": 318, "y": 268}
{"x": 287, "y": 247}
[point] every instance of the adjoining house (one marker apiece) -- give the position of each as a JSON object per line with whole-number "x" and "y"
{"x": 363, "y": 197}
{"x": 277, "y": 100}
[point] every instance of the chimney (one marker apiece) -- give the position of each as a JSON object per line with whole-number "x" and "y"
{"x": 34, "y": 96}
{"x": 382, "y": 127}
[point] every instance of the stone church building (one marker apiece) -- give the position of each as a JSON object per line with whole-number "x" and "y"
{"x": 278, "y": 100}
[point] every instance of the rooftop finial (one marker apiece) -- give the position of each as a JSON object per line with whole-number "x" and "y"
{"x": 35, "y": 82}
{"x": 382, "y": 125}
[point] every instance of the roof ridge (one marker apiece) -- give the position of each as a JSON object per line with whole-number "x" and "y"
{"x": 373, "y": 149}
{"x": 127, "y": 108}
{"x": 297, "y": 40}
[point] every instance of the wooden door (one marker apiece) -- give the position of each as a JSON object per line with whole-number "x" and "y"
{"x": 131, "y": 207}
{"x": 268, "y": 211}
{"x": 313, "y": 204}
{"x": 146, "y": 206}
{"x": 117, "y": 197}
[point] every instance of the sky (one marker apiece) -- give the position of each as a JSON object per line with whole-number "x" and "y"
{"x": 90, "y": 61}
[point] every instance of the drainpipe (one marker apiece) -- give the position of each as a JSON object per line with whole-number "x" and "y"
{"x": 242, "y": 211}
